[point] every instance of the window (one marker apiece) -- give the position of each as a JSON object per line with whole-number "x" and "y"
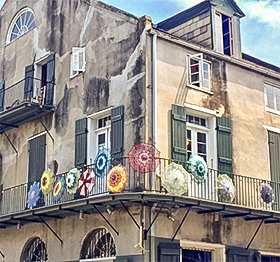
{"x": 35, "y": 250}
{"x": 98, "y": 244}
{"x": 224, "y": 41}
{"x": 272, "y": 98}
{"x": 198, "y": 72}
{"x": 23, "y": 22}
{"x": 197, "y": 136}
{"x": 78, "y": 61}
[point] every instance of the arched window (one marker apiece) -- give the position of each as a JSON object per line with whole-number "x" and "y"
{"x": 34, "y": 251}
{"x": 23, "y": 22}
{"x": 97, "y": 244}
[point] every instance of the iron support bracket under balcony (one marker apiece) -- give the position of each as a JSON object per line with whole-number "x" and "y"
{"x": 106, "y": 220}
{"x": 48, "y": 132}
{"x": 180, "y": 225}
{"x": 131, "y": 216}
{"x": 10, "y": 141}
{"x": 256, "y": 232}
{"x": 49, "y": 227}
{"x": 1, "y": 253}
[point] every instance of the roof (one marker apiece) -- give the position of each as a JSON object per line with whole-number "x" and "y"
{"x": 183, "y": 16}
{"x": 260, "y": 62}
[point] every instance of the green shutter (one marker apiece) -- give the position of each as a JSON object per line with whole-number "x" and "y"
{"x": 224, "y": 144}
{"x": 117, "y": 133}
{"x": 37, "y": 158}
{"x": 81, "y": 142}
{"x": 178, "y": 133}
{"x": 50, "y": 79}
{"x": 2, "y": 93}
{"x": 274, "y": 156}
{"x": 28, "y": 83}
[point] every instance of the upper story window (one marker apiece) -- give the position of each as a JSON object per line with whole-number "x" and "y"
{"x": 224, "y": 40}
{"x": 272, "y": 98}
{"x": 198, "y": 72}
{"x": 22, "y": 23}
{"x": 78, "y": 61}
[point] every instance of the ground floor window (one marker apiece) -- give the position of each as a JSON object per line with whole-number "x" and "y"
{"x": 189, "y": 255}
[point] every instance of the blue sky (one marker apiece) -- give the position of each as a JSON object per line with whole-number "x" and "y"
{"x": 260, "y": 29}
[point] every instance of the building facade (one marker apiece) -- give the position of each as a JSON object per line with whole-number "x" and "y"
{"x": 81, "y": 78}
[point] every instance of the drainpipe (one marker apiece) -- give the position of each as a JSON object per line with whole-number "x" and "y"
{"x": 154, "y": 101}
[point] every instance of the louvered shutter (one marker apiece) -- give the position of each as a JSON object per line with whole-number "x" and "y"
{"x": 50, "y": 80}
{"x": 178, "y": 133}
{"x": 224, "y": 144}
{"x": 28, "y": 83}
{"x": 274, "y": 156}
{"x": 81, "y": 142}
{"x": 235, "y": 254}
{"x": 117, "y": 133}
{"x": 37, "y": 158}
{"x": 169, "y": 252}
{"x": 2, "y": 93}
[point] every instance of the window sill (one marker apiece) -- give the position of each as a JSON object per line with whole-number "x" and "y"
{"x": 270, "y": 110}
{"x": 79, "y": 73}
{"x": 202, "y": 89}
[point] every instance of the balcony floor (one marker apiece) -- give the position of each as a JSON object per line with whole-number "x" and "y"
{"x": 21, "y": 114}
{"x": 201, "y": 206}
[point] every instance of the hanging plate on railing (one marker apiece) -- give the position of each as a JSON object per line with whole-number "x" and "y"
{"x": 144, "y": 158}
{"x": 175, "y": 179}
{"x": 225, "y": 189}
{"x": 102, "y": 162}
{"x": 72, "y": 180}
{"x": 59, "y": 188}
{"x": 47, "y": 180}
{"x": 117, "y": 179}
{"x": 267, "y": 194}
{"x": 197, "y": 167}
{"x": 33, "y": 195}
{"x": 86, "y": 182}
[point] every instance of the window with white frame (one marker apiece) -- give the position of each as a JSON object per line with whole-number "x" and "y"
{"x": 78, "y": 61}
{"x": 198, "y": 71}
{"x": 272, "y": 97}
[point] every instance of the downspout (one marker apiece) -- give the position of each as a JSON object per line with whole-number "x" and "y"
{"x": 154, "y": 101}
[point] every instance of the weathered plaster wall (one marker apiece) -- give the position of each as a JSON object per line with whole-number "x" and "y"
{"x": 72, "y": 231}
{"x": 115, "y": 74}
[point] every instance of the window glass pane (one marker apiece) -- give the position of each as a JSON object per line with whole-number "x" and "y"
{"x": 196, "y": 256}
{"x": 201, "y": 137}
{"x": 203, "y": 122}
{"x": 189, "y": 143}
{"x": 101, "y": 139}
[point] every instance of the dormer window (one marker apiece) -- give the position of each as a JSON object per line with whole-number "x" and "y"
{"x": 224, "y": 41}
{"x": 22, "y": 23}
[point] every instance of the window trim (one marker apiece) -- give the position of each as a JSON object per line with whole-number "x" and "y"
{"x": 13, "y": 22}
{"x": 218, "y": 251}
{"x": 201, "y": 62}
{"x": 269, "y": 109}
{"x": 76, "y": 51}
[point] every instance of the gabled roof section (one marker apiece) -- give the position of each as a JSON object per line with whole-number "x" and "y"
{"x": 231, "y": 3}
{"x": 184, "y": 16}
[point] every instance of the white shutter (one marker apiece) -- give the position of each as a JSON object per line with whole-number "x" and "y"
{"x": 78, "y": 60}
{"x": 219, "y": 33}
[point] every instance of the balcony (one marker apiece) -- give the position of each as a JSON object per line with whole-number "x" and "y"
{"x": 202, "y": 197}
{"x": 25, "y": 101}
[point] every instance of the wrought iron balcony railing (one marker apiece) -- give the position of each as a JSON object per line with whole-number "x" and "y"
{"x": 247, "y": 190}
{"x": 28, "y": 90}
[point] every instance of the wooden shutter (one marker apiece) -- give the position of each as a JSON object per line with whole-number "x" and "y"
{"x": 117, "y": 133}
{"x": 274, "y": 156}
{"x": 169, "y": 252}
{"x": 37, "y": 158}
{"x": 50, "y": 80}
{"x": 178, "y": 133}
{"x": 81, "y": 142}
{"x": 28, "y": 83}
{"x": 224, "y": 144}
{"x": 2, "y": 93}
{"x": 235, "y": 254}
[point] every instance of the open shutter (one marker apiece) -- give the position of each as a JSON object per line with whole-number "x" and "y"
{"x": 28, "y": 83}
{"x": 235, "y": 254}
{"x": 178, "y": 133}
{"x": 169, "y": 252}
{"x": 37, "y": 158}
{"x": 81, "y": 142}
{"x": 117, "y": 133}
{"x": 50, "y": 80}
{"x": 224, "y": 144}
{"x": 274, "y": 156}
{"x": 2, "y": 93}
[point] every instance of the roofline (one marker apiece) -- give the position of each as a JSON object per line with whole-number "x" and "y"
{"x": 240, "y": 62}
